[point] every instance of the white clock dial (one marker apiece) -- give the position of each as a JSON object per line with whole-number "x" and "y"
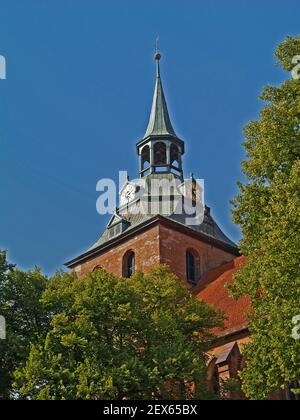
{"x": 128, "y": 194}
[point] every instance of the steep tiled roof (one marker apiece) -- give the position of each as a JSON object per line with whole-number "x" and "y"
{"x": 213, "y": 291}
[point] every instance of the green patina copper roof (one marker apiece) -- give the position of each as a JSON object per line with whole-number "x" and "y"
{"x": 159, "y": 122}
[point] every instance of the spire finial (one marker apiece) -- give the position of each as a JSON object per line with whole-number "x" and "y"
{"x": 157, "y": 56}
{"x": 159, "y": 122}
{"x": 157, "y": 45}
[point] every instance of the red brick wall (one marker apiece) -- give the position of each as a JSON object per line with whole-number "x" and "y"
{"x": 173, "y": 247}
{"x": 145, "y": 246}
{"x": 158, "y": 244}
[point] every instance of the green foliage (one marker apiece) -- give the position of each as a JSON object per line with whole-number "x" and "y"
{"x": 289, "y": 48}
{"x": 230, "y": 389}
{"x": 115, "y": 338}
{"x": 25, "y": 317}
{"x": 268, "y": 211}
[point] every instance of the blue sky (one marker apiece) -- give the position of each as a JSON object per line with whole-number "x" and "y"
{"x": 80, "y": 78}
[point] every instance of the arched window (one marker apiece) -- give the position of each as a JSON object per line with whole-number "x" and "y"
{"x": 192, "y": 266}
{"x": 145, "y": 157}
{"x": 128, "y": 264}
{"x": 97, "y": 267}
{"x": 174, "y": 155}
{"x": 160, "y": 154}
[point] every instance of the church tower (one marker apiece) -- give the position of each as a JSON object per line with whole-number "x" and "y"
{"x": 147, "y": 229}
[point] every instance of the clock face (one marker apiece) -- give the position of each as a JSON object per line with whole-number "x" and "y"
{"x": 128, "y": 194}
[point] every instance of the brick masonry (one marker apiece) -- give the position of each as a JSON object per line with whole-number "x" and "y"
{"x": 173, "y": 247}
{"x": 158, "y": 244}
{"x": 145, "y": 245}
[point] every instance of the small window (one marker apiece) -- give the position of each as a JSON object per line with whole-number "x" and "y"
{"x": 117, "y": 229}
{"x": 128, "y": 264}
{"x": 192, "y": 266}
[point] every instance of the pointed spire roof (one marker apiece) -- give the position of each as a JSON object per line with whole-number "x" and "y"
{"x": 159, "y": 122}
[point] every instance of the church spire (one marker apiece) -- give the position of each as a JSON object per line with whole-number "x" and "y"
{"x": 160, "y": 150}
{"x": 159, "y": 122}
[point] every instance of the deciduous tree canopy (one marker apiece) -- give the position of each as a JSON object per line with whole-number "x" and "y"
{"x": 26, "y": 318}
{"x": 268, "y": 211}
{"x": 114, "y": 338}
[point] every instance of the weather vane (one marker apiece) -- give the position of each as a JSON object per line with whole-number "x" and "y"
{"x": 156, "y": 44}
{"x": 157, "y": 54}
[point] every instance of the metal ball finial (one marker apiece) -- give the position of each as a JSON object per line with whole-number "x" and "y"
{"x": 157, "y": 57}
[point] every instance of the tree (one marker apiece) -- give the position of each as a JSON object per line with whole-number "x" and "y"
{"x": 114, "y": 338}
{"x": 268, "y": 211}
{"x": 25, "y": 318}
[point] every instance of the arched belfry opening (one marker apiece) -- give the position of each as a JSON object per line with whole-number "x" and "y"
{"x": 160, "y": 154}
{"x": 175, "y": 156}
{"x": 145, "y": 159}
{"x": 160, "y": 150}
